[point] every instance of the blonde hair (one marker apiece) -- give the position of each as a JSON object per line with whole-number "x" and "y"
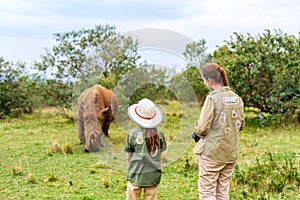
{"x": 214, "y": 71}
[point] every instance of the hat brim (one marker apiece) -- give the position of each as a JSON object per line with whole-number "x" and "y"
{"x": 145, "y": 123}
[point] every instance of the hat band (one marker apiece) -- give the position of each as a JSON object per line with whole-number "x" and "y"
{"x": 147, "y": 118}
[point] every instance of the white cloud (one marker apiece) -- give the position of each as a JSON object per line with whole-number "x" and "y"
{"x": 212, "y": 20}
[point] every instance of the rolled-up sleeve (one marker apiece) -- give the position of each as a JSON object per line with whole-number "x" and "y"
{"x": 206, "y": 117}
{"x": 163, "y": 144}
{"x": 128, "y": 146}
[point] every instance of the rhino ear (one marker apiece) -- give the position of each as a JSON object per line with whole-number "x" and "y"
{"x": 105, "y": 110}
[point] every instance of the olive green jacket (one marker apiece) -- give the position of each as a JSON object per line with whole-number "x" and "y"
{"x": 221, "y": 118}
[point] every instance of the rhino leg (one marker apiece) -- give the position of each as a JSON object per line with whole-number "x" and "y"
{"x": 80, "y": 127}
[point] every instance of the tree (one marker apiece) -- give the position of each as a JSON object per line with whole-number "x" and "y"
{"x": 88, "y": 56}
{"x": 145, "y": 81}
{"x": 87, "y": 53}
{"x": 18, "y": 89}
{"x": 264, "y": 70}
{"x": 192, "y": 76}
{"x": 195, "y": 54}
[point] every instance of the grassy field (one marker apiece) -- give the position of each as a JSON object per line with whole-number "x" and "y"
{"x": 32, "y": 168}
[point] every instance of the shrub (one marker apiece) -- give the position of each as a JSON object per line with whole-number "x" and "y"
{"x": 264, "y": 70}
{"x": 19, "y": 90}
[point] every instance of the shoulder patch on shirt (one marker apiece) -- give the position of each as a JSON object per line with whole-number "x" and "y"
{"x": 238, "y": 124}
{"x": 230, "y": 100}
{"x": 234, "y": 114}
{"x": 139, "y": 139}
{"x": 222, "y": 118}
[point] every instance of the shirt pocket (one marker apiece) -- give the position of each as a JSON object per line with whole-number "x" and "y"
{"x": 200, "y": 146}
{"x": 138, "y": 153}
{"x": 138, "y": 148}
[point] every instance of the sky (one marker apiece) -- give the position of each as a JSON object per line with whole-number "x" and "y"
{"x": 27, "y": 26}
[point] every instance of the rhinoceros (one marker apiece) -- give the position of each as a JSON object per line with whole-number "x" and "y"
{"x": 97, "y": 107}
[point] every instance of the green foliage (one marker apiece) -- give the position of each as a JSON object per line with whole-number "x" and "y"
{"x": 145, "y": 81}
{"x": 273, "y": 174}
{"x": 264, "y": 70}
{"x": 195, "y": 54}
{"x": 193, "y": 76}
{"x": 56, "y": 92}
{"x": 151, "y": 83}
{"x": 18, "y": 90}
{"x": 88, "y": 56}
{"x": 88, "y": 53}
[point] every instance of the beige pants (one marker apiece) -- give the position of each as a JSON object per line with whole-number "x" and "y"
{"x": 214, "y": 179}
{"x": 134, "y": 192}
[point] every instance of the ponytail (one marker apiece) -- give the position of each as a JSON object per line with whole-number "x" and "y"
{"x": 214, "y": 71}
{"x": 223, "y": 76}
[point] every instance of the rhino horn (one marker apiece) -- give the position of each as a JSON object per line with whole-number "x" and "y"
{"x": 105, "y": 110}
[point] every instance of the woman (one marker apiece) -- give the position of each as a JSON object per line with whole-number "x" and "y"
{"x": 144, "y": 146}
{"x": 216, "y": 134}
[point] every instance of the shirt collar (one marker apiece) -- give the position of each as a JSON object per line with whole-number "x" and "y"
{"x": 222, "y": 89}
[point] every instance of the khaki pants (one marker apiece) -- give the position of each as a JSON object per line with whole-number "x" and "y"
{"x": 134, "y": 192}
{"x": 214, "y": 179}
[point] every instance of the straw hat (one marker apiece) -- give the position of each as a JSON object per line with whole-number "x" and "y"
{"x": 145, "y": 114}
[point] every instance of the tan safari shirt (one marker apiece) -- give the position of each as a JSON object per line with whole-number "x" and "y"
{"x": 221, "y": 118}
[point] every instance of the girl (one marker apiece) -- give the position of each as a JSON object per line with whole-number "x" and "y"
{"x": 144, "y": 146}
{"x": 216, "y": 134}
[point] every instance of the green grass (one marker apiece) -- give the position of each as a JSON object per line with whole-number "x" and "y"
{"x": 30, "y": 170}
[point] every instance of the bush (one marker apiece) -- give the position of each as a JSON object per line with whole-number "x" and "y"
{"x": 18, "y": 91}
{"x": 264, "y": 70}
